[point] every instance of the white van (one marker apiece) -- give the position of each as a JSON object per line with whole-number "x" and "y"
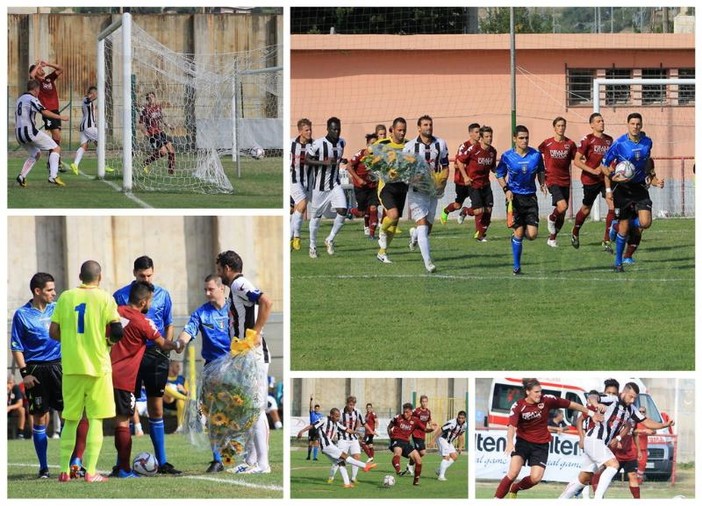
{"x": 505, "y": 391}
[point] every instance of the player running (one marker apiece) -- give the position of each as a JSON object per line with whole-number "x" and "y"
{"x": 400, "y": 429}
{"x": 365, "y": 189}
{"x": 460, "y": 176}
{"x": 557, "y": 152}
{"x": 451, "y": 432}
{"x": 301, "y": 181}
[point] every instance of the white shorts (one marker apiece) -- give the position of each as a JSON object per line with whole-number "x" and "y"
{"x": 298, "y": 192}
{"x": 272, "y": 404}
{"x": 349, "y": 447}
{"x": 421, "y": 205}
{"x": 445, "y": 448}
{"x": 325, "y": 200}
{"x": 333, "y": 452}
{"x": 41, "y": 142}
{"x": 89, "y": 135}
{"x": 595, "y": 454}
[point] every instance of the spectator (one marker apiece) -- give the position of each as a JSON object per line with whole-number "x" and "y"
{"x": 15, "y": 404}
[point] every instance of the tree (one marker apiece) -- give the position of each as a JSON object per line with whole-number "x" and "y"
{"x": 526, "y": 20}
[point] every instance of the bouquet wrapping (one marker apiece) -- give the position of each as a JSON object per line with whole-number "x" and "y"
{"x": 392, "y": 165}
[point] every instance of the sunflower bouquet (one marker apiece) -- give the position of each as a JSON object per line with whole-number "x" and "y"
{"x": 228, "y": 404}
{"x": 392, "y": 165}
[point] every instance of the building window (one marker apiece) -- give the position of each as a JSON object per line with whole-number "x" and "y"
{"x": 686, "y": 92}
{"x": 654, "y": 94}
{"x": 579, "y": 86}
{"x": 618, "y": 94}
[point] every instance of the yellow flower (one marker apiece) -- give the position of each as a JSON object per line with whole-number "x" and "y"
{"x": 238, "y": 447}
{"x": 392, "y": 173}
{"x": 392, "y": 156}
{"x": 219, "y": 419}
{"x": 237, "y": 400}
{"x": 223, "y": 396}
{"x": 410, "y": 159}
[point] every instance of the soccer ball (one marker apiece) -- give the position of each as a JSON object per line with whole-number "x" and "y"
{"x": 623, "y": 172}
{"x": 257, "y": 152}
{"x": 389, "y": 480}
{"x": 145, "y": 464}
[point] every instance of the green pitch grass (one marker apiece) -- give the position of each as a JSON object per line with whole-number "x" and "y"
{"x": 194, "y": 483}
{"x": 308, "y": 479}
{"x": 568, "y": 311}
{"x": 260, "y": 186}
{"x": 684, "y": 486}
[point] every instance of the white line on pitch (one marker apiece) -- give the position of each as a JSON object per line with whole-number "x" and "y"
{"x": 615, "y": 277}
{"x": 129, "y": 195}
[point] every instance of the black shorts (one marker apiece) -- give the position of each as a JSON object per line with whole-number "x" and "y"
{"x": 312, "y": 435}
{"x": 590, "y": 193}
{"x": 51, "y": 123}
{"x": 462, "y": 193}
{"x": 629, "y": 199}
{"x": 419, "y": 444}
{"x": 157, "y": 141}
{"x": 534, "y": 454}
{"x": 153, "y": 372}
{"x": 629, "y": 466}
{"x": 559, "y": 193}
{"x": 393, "y": 196}
{"x": 48, "y": 393}
{"x": 406, "y": 446}
{"x": 125, "y": 402}
{"x": 366, "y": 197}
{"x": 368, "y": 440}
{"x": 526, "y": 210}
{"x": 481, "y": 197}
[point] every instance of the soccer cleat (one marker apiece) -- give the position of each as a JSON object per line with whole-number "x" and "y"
{"x": 403, "y": 473}
{"x": 126, "y": 474}
{"x": 551, "y": 225}
{"x": 313, "y": 252}
{"x": 410, "y": 470}
{"x": 22, "y": 180}
{"x": 413, "y": 240}
{"x": 57, "y": 181}
{"x": 415, "y": 482}
{"x": 43, "y": 474}
{"x": 366, "y": 231}
{"x": 295, "y": 243}
{"x": 146, "y": 169}
{"x": 517, "y": 271}
{"x": 575, "y": 241}
{"x": 77, "y": 471}
{"x": 371, "y": 459}
{"x": 383, "y": 257}
{"x": 382, "y": 240}
{"x": 618, "y": 268}
{"x": 167, "y": 468}
{"x": 330, "y": 246}
{"x": 56, "y": 435}
{"x": 115, "y": 472}
{"x": 511, "y": 495}
{"x": 257, "y": 470}
{"x": 629, "y": 261}
{"x": 95, "y": 478}
{"x": 241, "y": 468}
{"x": 552, "y": 243}
{"x": 607, "y": 246}
{"x": 430, "y": 266}
{"x": 215, "y": 467}
{"x": 64, "y": 477}
{"x": 441, "y": 478}
{"x": 348, "y": 485}
{"x": 461, "y": 218}
{"x": 109, "y": 169}
{"x": 330, "y": 480}
{"x": 444, "y": 217}
{"x": 369, "y": 466}
{"x": 74, "y": 168}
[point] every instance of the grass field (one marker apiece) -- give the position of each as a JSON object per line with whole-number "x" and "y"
{"x": 568, "y": 311}
{"x": 308, "y": 479}
{"x": 193, "y": 483}
{"x": 684, "y": 486}
{"x": 260, "y": 186}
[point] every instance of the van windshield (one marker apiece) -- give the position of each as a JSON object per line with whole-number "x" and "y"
{"x": 652, "y": 412}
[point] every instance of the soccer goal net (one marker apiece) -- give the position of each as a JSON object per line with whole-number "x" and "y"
{"x": 167, "y": 119}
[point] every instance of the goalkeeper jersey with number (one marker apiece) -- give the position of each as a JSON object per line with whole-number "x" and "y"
{"x": 83, "y": 315}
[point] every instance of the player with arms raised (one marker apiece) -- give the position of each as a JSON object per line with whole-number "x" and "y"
{"x": 300, "y": 179}
{"x": 557, "y": 152}
{"x": 48, "y": 96}
{"x": 400, "y": 429}
{"x": 591, "y": 151}
{"x": 528, "y": 418}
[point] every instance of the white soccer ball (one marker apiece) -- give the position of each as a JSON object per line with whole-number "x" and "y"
{"x": 145, "y": 464}
{"x": 389, "y": 480}
{"x": 257, "y": 152}
{"x": 623, "y": 172}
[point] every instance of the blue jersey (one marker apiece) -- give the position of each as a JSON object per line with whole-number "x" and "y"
{"x": 637, "y": 153}
{"x": 30, "y": 334}
{"x": 315, "y": 417}
{"x": 520, "y": 170}
{"x": 213, "y": 324}
{"x": 160, "y": 312}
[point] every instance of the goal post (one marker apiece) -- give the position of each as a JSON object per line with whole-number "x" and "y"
{"x": 671, "y": 200}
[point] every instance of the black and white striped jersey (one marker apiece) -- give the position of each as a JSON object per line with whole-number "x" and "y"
{"x": 328, "y": 431}
{"x": 352, "y": 420}
{"x": 452, "y": 430}
{"x": 243, "y": 305}
{"x": 616, "y": 416}
{"x": 88, "y": 108}
{"x": 300, "y": 172}
{"x": 326, "y": 177}
{"x": 435, "y": 152}
{"x": 25, "y": 112}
